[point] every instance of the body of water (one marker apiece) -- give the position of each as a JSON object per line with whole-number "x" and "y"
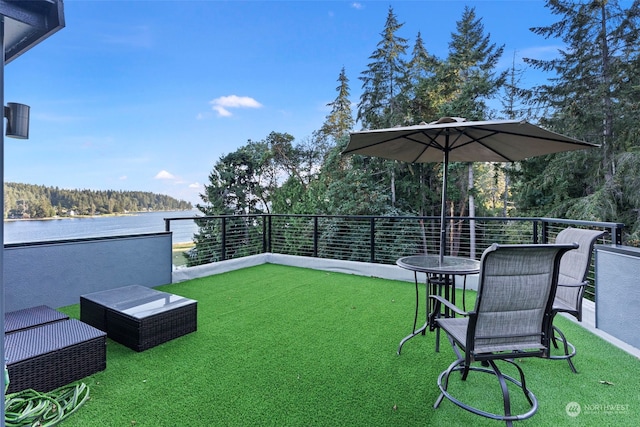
{"x": 22, "y": 231}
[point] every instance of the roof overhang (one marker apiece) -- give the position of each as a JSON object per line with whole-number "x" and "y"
{"x": 27, "y": 23}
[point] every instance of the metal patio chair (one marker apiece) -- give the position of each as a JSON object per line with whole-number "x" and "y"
{"x": 572, "y": 280}
{"x": 511, "y": 319}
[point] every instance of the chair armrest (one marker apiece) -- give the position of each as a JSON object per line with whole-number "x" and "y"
{"x": 440, "y": 300}
{"x": 573, "y": 285}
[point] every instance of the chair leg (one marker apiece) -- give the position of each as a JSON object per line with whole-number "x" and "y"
{"x": 433, "y": 325}
{"x": 508, "y": 417}
{"x": 443, "y": 381}
{"x": 506, "y": 401}
{"x": 523, "y": 382}
{"x": 569, "y": 349}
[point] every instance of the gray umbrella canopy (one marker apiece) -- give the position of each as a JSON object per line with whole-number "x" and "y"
{"x": 484, "y": 141}
{"x": 457, "y": 140}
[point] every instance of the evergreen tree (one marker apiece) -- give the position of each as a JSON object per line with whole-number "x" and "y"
{"x": 470, "y": 70}
{"x": 236, "y": 185}
{"x": 382, "y": 102}
{"x": 514, "y": 96}
{"x": 467, "y": 79}
{"x": 340, "y": 120}
{"x": 591, "y": 95}
{"x": 591, "y": 72}
{"x": 420, "y": 68}
{"x": 383, "y": 80}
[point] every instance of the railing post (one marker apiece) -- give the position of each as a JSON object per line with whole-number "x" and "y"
{"x": 535, "y": 232}
{"x": 545, "y": 232}
{"x": 267, "y": 235}
{"x": 372, "y": 239}
{"x": 167, "y": 224}
{"x": 223, "y": 250}
{"x": 616, "y": 235}
{"x": 264, "y": 233}
{"x": 315, "y": 236}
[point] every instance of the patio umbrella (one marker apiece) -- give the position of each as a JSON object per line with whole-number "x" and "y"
{"x": 457, "y": 140}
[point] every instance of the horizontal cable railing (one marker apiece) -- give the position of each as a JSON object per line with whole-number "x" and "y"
{"x": 375, "y": 239}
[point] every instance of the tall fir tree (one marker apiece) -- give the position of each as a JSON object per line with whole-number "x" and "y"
{"x": 379, "y": 106}
{"x": 592, "y": 94}
{"x": 421, "y": 105}
{"x": 470, "y": 73}
{"x": 595, "y": 70}
{"x": 382, "y": 101}
{"x": 468, "y": 78}
{"x": 340, "y": 120}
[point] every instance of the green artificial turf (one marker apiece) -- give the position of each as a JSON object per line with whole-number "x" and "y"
{"x": 286, "y": 346}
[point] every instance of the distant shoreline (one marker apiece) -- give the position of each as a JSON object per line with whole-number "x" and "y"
{"x": 52, "y": 218}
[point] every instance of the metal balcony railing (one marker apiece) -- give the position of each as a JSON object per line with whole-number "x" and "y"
{"x": 375, "y": 239}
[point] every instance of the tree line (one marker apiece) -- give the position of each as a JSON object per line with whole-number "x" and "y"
{"x": 38, "y": 201}
{"x": 591, "y": 93}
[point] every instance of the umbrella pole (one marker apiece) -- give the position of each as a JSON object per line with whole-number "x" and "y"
{"x": 443, "y": 228}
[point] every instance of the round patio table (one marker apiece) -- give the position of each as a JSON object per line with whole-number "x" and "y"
{"x": 440, "y": 277}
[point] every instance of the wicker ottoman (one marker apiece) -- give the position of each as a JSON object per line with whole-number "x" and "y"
{"x": 46, "y": 357}
{"x": 30, "y": 317}
{"x": 139, "y": 317}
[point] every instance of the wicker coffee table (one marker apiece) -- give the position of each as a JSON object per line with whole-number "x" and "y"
{"x": 139, "y": 317}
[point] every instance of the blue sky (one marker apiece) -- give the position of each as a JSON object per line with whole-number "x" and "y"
{"x": 148, "y": 95}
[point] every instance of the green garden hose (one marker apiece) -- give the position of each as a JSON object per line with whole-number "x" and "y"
{"x": 33, "y": 408}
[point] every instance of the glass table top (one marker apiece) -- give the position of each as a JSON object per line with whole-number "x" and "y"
{"x": 138, "y": 301}
{"x": 432, "y": 264}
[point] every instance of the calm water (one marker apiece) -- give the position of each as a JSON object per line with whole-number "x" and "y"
{"x": 74, "y": 228}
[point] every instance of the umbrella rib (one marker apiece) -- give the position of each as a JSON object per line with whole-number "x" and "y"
{"x": 433, "y": 142}
{"x": 367, "y": 146}
{"x": 528, "y": 135}
{"x": 478, "y": 140}
{"x": 516, "y": 134}
{"x": 384, "y": 141}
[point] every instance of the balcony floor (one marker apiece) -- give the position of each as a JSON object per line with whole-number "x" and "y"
{"x": 371, "y": 270}
{"x": 278, "y": 346}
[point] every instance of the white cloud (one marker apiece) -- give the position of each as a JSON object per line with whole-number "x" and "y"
{"x": 163, "y": 174}
{"x": 195, "y": 185}
{"x": 222, "y": 104}
{"x": 356, "y": 5}
{"x": 237, "y": 101}
{"x": 123, "y": 178}
{"x": 222, "y": 112}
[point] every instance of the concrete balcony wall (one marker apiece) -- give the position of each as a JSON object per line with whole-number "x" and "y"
{"x": 383, "y": 271}
{"x": 617, "y": 306}
{"x": 56, "y": 273}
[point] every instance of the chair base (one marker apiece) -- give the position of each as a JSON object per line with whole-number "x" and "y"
{"x": 458, "y": 365}
{"x": 569, "y": 349}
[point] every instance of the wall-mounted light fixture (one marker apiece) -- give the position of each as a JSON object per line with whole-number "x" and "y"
{"x": 17, "y": 120}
